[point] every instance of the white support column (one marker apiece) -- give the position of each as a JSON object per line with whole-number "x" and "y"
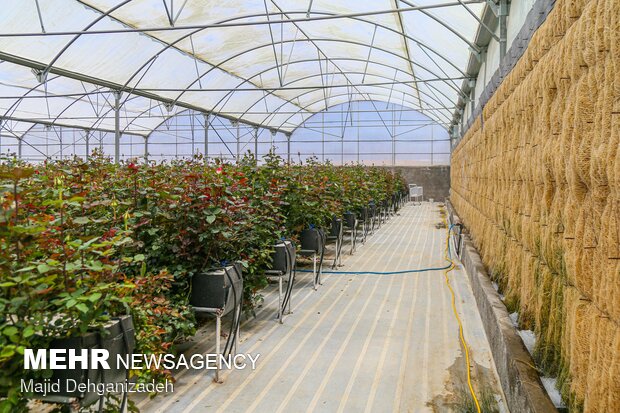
{"x": 146, "y": 149}
{"x": 61, "y": 143}
{"x": 432, "y": 142}
{"x": 358, "y": 132}
{"x": 288, "y": 147}
{"x": 238, "y": 142}
{"x": 191, "y": 125}
{"x": 503, "y": 29}
{"x": 19, "y": 147}
{"x": 256, "y": 142}
{"x": 323, "y": 136}
{"x": 206, "y": 149}
{"x": 393, "y": 137}
{"x": 117, "y": 125}
{"x": 87, "y": 139}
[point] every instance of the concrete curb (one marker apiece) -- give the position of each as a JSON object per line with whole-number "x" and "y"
{"x": 522, "y": 387}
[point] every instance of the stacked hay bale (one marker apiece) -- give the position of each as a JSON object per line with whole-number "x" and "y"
{"x": 538, "y": 185}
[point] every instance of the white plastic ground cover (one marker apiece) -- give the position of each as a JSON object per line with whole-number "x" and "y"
{"x": 273, "y": 75}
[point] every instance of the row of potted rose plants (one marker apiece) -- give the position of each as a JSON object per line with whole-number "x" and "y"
{"x": 84, "y": 242}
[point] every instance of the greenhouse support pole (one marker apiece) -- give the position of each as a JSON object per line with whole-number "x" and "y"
{"x": 358, "y": 133}
{"x": 87, "y": 138}
{"x": 146, "y": 149}
{"x": 503, "y": 29}
{"x": 19, "y": 147}
{"x": 60, "y": 139}
{"x": 206, "y": 151}
{"x": 191, "y": 125}
{"x": 344, "y": 130}
{"x": 288, "y": 147}
{"x": 117, "y": 126}
{"x": 323, "y": 136}
{"x": 393, "y": 138}
{"x": 238, "y": 143}
{"x": 256, "y": 142}
{"x": 432, "y": 147}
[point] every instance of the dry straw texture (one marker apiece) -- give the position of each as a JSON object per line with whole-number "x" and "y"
{"x": 538, "y": 185}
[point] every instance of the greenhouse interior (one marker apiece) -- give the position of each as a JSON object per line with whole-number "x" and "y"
{"x": 310, "y": 205}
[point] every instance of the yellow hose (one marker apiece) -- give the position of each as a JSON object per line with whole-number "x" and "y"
{"x": 456, "y": 314}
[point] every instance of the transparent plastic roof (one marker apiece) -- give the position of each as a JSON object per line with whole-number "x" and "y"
{"x": 270, "y": 63}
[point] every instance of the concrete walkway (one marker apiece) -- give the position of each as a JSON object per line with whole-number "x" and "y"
{"x": 361, "y": 343}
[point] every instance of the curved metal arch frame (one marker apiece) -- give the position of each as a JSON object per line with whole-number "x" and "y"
{"x": 185, "y": 112}
{"x": 290, "y": 100}
{"x": 248, "y": 80}
{"x": 124, "y": 131}
{"x": 365, "y": 101}
{"x": 99, "y": 119}
{"x": 347, "y": 72}
{"x": 94, "y": 125}
{"x": 444, "y": 24}
{"x": 171, "y": 45}
{"x": 17, "y": 102}
{"x": 341, "y": 94}
{"x": 341, "y": 59}
{"x": 107, "y": 14}
{"x": 420, "y": 43}
{"x": 165, "y": 119}
{"x": 339, "y": 87}
{"x": 218, "y": 66}
{"x": 88, "y": 26}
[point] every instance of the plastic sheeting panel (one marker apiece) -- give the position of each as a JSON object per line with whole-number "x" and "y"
{"x": 241, "y": 61}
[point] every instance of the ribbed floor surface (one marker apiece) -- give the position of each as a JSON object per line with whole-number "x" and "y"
{"x": 361, "y": 343}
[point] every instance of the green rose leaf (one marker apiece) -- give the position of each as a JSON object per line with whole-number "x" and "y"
{"x": 43, "y": 268}
{"x": 81, "y": 220}
{"x": 82, "y": 307}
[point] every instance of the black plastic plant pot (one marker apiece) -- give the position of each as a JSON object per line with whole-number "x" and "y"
{"x": 311, "y": 239}
{"x": 365, "y": 212}
{"x": 372, "y": 209}
{"x": 334, "y": 231}
{"x": 349, "y": 219}
{"x": 219, "y": 288}
{"x": 117, "y": 337}
{"x": 283, "y": 254}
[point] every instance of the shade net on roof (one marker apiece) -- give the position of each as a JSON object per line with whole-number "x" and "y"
{"x": 271, "y": 63}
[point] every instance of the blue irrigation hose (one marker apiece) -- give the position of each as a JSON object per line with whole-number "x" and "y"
{"x": 380, "y": 272}
{"x": 387, "y": 272}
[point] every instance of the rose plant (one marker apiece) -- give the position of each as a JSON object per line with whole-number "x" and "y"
{"x": 81, "y": 241}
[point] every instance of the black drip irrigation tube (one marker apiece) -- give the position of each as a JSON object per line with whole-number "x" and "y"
{"x": 291, "y": 281}
{"x": 382, "y": 272}
{"x": 393, "y": 272}
{"x": 234, "y": 325}
{"x": 323, "y": 238}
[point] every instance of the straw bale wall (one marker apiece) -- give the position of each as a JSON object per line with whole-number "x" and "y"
{"x": 536, "y": 179}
